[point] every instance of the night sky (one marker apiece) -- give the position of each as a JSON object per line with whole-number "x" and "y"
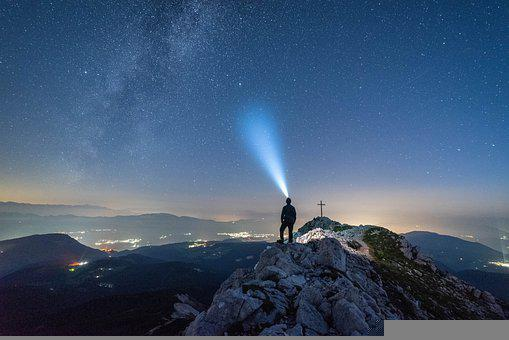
{"x": 391, "y": 112}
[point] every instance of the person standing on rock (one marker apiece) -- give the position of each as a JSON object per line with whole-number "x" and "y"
{"x": 288, "y": 217}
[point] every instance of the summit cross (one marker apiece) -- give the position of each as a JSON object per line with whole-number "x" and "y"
{"x": 321, "y": 204}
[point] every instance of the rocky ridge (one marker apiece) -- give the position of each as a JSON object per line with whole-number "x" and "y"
{"x": 338, "y": 280}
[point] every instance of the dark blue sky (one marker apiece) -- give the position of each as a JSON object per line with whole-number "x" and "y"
{"x": 389, "y": 111}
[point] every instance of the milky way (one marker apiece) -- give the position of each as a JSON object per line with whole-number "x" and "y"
{"x": 388, "y": 111}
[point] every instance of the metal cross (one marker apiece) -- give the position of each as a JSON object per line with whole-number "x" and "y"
{"x": 321, "y": 204}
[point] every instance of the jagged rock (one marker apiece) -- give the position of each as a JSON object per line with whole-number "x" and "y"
{"x": 316, "y": 234}
{"x": 268, "y": 258}
{"x": 310, "y": 295}
{"x": 331, "y": 254}
{"x": 274, "y": 256}
{"x": 296, "y": 280}
{"x": 228, "y": 307}
{"x": 309, "y": 317}
{"x": 271, "y": 273}
{"x": 354, "y": 244}
{"x": 413, "y": 253}
{"x": 488, "y": 297}
{"x": 258, "y": 284}
{"x": 292, "y": 284}
{"x": 184, "y": 311}
{"x": 201, "y": 326}
{"x": 339, "y": 282}
{"x": 348, "y": 319}
{"x": 235, "y": 280}
{"x": 277, "y": 300}
{"x": 295, "y": 331}
{"x": 260, "y": 318}
{"x": 287, "y": 288}
{"x": 276, "y": 330}
{"x": 259, "y": 294}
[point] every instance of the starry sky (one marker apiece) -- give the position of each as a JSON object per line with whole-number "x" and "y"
{"x": 392, "y": 112}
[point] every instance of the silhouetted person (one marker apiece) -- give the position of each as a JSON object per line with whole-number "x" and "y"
{"x": 288, "y": 217}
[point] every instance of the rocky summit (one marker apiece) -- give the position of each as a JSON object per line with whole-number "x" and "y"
{"x": 338, "y": 280}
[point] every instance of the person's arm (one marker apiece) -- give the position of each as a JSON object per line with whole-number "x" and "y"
{"x": 282, "y": 214}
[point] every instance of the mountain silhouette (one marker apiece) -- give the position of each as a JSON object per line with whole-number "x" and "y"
{"x": 58, "y": 209}
{"x": 16, "y": 254}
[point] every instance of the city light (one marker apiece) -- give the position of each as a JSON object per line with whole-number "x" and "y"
{"x": 197, "y": 244}
{"x": 245, "y": 234}
{"x": 133, "y": 241}
{"x": 500, "y": 264}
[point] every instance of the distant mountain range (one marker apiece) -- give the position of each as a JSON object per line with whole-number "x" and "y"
{"x": 128, "y": 232}
{"x": 59, "y": 209}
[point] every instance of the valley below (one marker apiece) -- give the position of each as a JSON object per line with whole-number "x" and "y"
{"x": 54, "y": 285}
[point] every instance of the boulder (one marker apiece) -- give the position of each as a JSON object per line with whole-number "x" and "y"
{"x": 277, "y": 300}
{"x": 200, "y": 326}
{"x": 348, "y": 319}
{"x": 271, "y": 273}
{"x": 286, "y": 287}
{"x": 296, "y": 280}
{"x": 276, "y": 330}
{"x": 309, "y": 317}
{"x": 331, "y": 254}
{"x": 295, "y": 330}
{"x": 184, "y": 311}
{"x": 229, "y": 307}
{"x": 311, "y": 295}
{"x": 275, "y": 256}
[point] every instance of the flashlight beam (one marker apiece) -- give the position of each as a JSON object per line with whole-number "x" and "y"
{"x": 262, "y": 138}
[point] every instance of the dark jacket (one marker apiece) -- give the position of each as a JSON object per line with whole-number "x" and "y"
{"x": 288, "y": 215}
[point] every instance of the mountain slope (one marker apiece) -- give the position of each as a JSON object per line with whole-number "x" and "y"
{"x": 495, "y": 283}
{"x": 413, "y": 282}
{"x": 125, "y": 295}
{"x": 343, "y": 282}
{"x": 453, "y": 252}
{"x": 27, "y": 251}
{"x": 221, "y": 255}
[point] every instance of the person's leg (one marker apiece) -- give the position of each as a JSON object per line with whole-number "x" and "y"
{"x": 282, "y": 232}
{"x": 290, "y": 233}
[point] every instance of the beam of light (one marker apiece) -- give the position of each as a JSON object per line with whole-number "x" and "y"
{"x": 260, "y": 132}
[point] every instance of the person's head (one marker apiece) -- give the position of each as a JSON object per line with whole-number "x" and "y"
{"x": 288, "y": 200}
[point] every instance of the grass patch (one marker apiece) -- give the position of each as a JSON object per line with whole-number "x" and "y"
{"x": 342, "y": 227}
{"x": 434, "y": 294}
